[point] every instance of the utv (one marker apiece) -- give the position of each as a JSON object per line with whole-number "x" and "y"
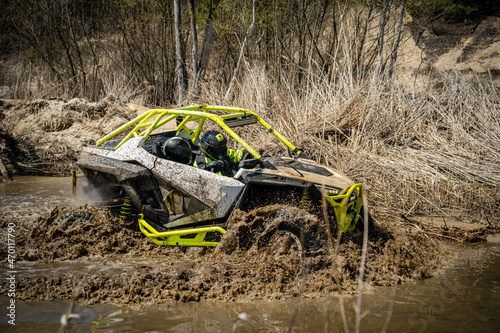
{"x": 176, "y": 203}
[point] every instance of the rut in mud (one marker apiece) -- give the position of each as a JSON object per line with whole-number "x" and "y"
{"x": 102, "y": 259}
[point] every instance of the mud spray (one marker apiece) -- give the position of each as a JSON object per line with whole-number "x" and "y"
{"x": 112, "y": 262}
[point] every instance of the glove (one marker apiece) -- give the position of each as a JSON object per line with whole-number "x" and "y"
{"x": 216, "y": 166}
{"x": 223, "y": 163}
{"x": 212, "y": 166}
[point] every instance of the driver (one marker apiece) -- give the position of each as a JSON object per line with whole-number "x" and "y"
{"x": 216, "y": 157}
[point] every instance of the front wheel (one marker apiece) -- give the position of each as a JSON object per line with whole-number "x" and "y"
{"x": 285, "y": 242}
{"x": 360, "y": 225}
{"x": 290, "y": 231}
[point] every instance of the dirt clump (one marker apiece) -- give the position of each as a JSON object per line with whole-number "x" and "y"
{"x": 68, "y": 234}
{"x": 114, "y": 263}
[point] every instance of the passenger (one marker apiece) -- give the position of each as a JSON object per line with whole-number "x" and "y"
{"x": 178, "y": 149}
{"x": 216, "y": 157}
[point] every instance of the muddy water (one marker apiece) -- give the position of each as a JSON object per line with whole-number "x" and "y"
{"x": 32, "y": 197}
{"x": 465, "y": 297}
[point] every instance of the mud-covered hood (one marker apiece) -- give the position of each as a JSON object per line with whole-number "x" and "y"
{"x": 300, "y": 172}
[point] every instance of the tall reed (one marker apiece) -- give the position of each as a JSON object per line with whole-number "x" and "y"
{"x": 427, "y": 148}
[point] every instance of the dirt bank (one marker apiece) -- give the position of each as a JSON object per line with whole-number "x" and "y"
{"x": 44, "y": 136}
{"x": 470, "y": 47}
{"x": 100, "y": 259}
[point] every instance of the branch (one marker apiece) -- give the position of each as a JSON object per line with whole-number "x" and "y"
{"x": 242, "y": 51}
{"x": 398, "y": 38}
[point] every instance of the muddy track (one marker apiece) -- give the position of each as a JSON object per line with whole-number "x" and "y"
{"x": 99, "y": 259}
{"x": 44, "y": 136}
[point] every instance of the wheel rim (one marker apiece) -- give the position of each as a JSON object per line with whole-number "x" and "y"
{"x": 285, "y": 242}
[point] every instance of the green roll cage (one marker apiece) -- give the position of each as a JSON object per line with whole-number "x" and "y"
{"x": 153, "y": 119}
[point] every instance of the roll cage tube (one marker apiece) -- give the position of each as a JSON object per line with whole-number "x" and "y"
{"x": 192, "y": 113}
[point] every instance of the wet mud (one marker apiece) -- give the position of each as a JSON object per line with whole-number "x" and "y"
{"x": 87, "y": 254}
{"x": 44, "y": 136}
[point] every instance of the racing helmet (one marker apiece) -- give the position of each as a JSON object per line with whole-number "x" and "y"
{"x": 178, "y": 149}
{"x": 214, "y": 144}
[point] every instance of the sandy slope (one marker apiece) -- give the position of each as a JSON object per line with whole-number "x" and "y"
{"x": 468, "y": 47}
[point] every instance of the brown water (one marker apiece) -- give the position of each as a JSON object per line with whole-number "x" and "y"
{"x": 31, "y": 197}
{"x": 465, "y": 297}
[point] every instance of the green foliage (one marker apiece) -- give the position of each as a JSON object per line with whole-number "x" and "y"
{"x": 203, "y": 7}
{"x": 31, "y": 54}
{"x": 459, "y": 12}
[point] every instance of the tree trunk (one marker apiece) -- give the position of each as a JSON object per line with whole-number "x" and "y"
{"x": 205, "y": 52}
{"x": 179, "y": 53}
{"x": 242, "y": 51}
{"x": 4, "y": 172}
{"x": 194, "y": 50}
{"x": 394, "y": 55}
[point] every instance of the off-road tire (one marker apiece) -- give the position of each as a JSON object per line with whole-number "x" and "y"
{"x": 286, "y": 240}
{"x": 306, "y": 238}
{"x": 72, "y": 218}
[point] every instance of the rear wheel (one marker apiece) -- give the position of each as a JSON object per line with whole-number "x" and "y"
{"x": 72, "y": 218}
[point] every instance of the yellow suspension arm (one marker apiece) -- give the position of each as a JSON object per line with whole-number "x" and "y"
{"x": 174, "y": 238}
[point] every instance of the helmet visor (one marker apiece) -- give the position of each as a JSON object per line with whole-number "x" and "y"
{"x": 217, "y": 152}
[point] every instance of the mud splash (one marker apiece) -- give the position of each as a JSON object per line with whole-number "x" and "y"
{"x": 254, "y": 229}
{"x": 98, "y": 259}
{"x": 70, "y": 234}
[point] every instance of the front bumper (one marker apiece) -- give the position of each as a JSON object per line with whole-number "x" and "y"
{"x": 347, "y": 207}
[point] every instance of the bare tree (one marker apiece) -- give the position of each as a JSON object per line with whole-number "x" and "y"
{"x": 179, "y": 52}
{"x": 205, "y": 52}
{"x": 394, "y": 54}
{"x": 242, "y": 52}
{"x": 194, "y": 50}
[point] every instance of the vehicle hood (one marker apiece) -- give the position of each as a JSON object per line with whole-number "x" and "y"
{"x": 301, "y": 171}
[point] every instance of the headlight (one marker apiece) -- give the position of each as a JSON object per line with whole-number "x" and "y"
{"x": 331, "y": 191}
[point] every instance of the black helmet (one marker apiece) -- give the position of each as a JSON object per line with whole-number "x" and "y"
{"x": 214, "y": 144}
{"x": 178, "y": 149}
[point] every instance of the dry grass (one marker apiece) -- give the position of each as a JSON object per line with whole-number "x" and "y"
{"x": 431, "y": 148}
